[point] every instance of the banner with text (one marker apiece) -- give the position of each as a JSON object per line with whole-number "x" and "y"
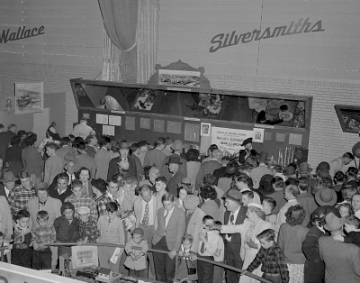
{"x": 229, "y": 139}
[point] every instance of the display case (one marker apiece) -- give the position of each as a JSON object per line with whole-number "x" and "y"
{"x": 349, "y": 118}
{"x": 178, "y": 98}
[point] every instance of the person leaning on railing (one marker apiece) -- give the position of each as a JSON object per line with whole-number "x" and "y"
{"x": 271, "y": 257}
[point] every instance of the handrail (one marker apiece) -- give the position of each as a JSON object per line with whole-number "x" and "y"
{"x": 243, "y": 272}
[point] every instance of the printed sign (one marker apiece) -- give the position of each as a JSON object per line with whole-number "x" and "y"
{"x": 229, "y": 139}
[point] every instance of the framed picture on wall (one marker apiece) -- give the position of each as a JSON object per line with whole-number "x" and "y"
{"x": 179, "y": 78}
{"x": 29, "y": 98}
{"x": 205, "y": 129}
{"x": 349, "y": 118}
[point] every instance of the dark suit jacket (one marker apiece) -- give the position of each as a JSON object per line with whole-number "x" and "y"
{"x": 52, "y": 191}
{"x": 172, "y": 184}
{"x": 133, "y": 167}
{"x": 235, "y": 241}
{"x": 173, "y": 232}
{"x": 5, "y": 139}
{"x": 165, "y": 168}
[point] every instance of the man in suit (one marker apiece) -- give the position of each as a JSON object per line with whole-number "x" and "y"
{"x": 70, "y": 171}
{"x": 167, "y": 237}
{"x": 156, "y": 157}
{"x": 65, "y": 147}
{"x": 177, "y": 148}
{"x": 9, "y": 183}
{"x": 129, "y": 165}
{"x": 174, "y": 167}
{"x": 61, "y": 189}
{"x": 5, "y": 138}
{"x": 194, "y": 220}
{"x": 43, "y": 202}
{"x": 145, "y": 210}
{"x": 54, "y": 165}
{"x": 342, "y": 260}
{"x": 235, "y": 214}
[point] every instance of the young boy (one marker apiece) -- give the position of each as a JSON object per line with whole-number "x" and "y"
{"x": 210, "y": 241}
{"x": 67, "y": 228}
{"x": 88, "y": 230}
{"x": 247, "y": 197}
{"x": 22, "y": 252}
{"x": 353, "y": 232}
{"x": 4, "y": 243}
{"x": 42, "y": 235}
{"x": 136, "y": 259}
{"x": 271, "y": 257}
{"x": 112, "y": 231}
{"x": 269, "y": 205}
{"x": 219, "y": 257}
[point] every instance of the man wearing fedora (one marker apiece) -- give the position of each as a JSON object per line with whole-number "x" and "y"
{"x": 177, "y": 148}
{"x": 174, "y": 167}
{"x": 235, "y": 214}
{"x": 127, "y": 162}
{"x": 326, "y": 197}
{"x": 342, "y": 260}
{"x": 9, "y": 184}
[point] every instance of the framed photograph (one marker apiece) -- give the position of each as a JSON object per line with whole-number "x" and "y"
{"x": 258, "y": 135}
{"x": 29, "y": 98}
{"x": 205, "y": 129}
{"x": 349, "y": 118}
{"x": 179, "y": 78}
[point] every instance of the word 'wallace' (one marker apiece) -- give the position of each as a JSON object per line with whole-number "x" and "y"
{"x": 222, "y": 40}
{"x": 21, "y": 33}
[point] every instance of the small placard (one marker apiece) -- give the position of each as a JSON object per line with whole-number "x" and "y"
{"x": 108, "y": 130}
{"x": 280, "y": 137}
{"x": 114, "y": 120}
{"x": 102, "y": 119}
{"x": 130, "y": 123}
{"x": 267, "y": 136}
{"x": 174, "y": 127}
{"x": 86, "y": 115}
{"x": 258, "y": 135}
{"x": 295, "y": 139}
{"x": 159, "y": 126}
{"x": 145, "y": 123}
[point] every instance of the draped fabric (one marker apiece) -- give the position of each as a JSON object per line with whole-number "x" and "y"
{"x": 130, "y": 55}
{"x": 147, "y": 39}
{"x": 120, "y": 21}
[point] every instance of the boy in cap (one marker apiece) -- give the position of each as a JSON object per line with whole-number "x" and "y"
{"x": 136, "y": 259}
{"x": 87, "y": 227}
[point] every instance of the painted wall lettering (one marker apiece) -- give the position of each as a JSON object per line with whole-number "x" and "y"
{"x": 21, "y": 33}
{"x": 222, "y": 40}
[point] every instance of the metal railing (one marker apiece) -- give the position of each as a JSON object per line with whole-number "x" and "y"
{"x": 222, "y": 265}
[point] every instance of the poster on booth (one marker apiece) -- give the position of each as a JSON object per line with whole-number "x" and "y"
{"x": 229, "y": 139}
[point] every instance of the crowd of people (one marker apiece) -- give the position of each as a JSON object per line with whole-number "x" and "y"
{"x": 292, "y": 224}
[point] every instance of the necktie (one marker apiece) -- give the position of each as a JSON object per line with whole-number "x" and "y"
{"x": 202, "y": 249}
{"x": 166, "y": 215}
{"x": 232, "y": 218}
{"x": 145, "y": 220}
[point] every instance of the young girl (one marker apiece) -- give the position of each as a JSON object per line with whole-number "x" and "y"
{"x": 185, "y": 263}
{"x": 345, "y": 210}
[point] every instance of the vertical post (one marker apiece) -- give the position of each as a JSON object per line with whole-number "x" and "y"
{"x": 2, "y": 255}
{"x": 176, "y": 265}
